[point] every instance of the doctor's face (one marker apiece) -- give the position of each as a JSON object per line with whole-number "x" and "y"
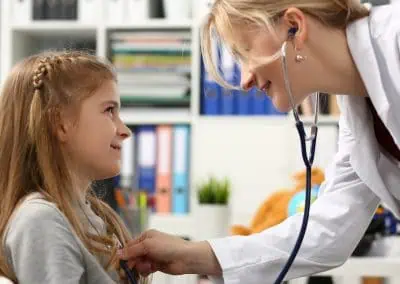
{"x": 268, "y": 76}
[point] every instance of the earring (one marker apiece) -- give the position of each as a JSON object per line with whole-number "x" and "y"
{"x": 299, "y": 58}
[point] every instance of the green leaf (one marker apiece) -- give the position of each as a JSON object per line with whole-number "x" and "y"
{"x": 214, "y": 191}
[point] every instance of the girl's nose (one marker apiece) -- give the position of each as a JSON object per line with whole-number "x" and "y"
{"x": 124, "y": 131}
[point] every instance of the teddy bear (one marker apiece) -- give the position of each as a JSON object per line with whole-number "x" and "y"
{"x": 274, "y": 209}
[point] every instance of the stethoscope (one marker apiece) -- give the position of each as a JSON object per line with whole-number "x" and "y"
{"x": 131, "y": 274}
{"x": 307, "y": 159}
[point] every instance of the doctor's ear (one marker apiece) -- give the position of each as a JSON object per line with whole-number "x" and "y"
{"x": 295, "y": 22}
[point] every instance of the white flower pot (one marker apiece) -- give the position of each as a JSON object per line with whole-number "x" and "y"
{"x": 212, "y": 221}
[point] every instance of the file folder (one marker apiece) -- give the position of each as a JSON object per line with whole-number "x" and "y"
{"x": 115, "y": 11}
{"x": 164, "y": 169}
{"x": 242, "y": 101}
{"x": 180, "y": 193}
{"x": 146, "y": 139}
{"x": 210, "y": 90}
{"x": 128, "y": 163}
{"x": 85, "y": 11}
{"x": 229, "y": 73}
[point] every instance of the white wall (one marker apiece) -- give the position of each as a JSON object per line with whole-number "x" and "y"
{"x": 259, "y": 155}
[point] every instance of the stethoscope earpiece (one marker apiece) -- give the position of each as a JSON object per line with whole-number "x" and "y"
{"x": 292, "y": 31}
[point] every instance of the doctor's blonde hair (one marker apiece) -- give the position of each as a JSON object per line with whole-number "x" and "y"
{"x": 33, "y": 96}
{"x": 226, "y": 15}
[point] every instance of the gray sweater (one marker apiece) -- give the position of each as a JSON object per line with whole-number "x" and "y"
{"x": 41, "y": 246}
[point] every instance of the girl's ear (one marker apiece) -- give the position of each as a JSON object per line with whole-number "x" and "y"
{"x": 295, "y": 19}
{"x": 63, "y": 126}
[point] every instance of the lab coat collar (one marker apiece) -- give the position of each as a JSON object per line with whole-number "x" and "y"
{"x": 362, "y": 49}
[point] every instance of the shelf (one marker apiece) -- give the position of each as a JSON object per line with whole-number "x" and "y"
{"x": 52, "y": 26}
{"x": 245, "y": 119}
{"x": 154, "y": 116}
{"x": 367, "y": 266}
{"x": 182, "y": 225}
{"x": 270, "y": 119}
{"x": 153, "y": 24}
{"x": 148, "y": 101}
{"x": 57, "y": 28}
{"x": 356, "y": 268}
{"x": 322, "y": 119}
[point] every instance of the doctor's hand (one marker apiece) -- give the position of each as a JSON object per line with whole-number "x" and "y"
{"x": 156, "y": 251}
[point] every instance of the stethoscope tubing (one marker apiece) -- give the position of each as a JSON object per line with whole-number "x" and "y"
{"x": 308, "y": 160}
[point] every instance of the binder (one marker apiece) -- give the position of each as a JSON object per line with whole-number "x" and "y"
{"x": 229, "y": 73}
{"x": 52, "y": 9}
{"x": 164, "y": 169}
{"x": 177, "y": 10}
{"x": 242, "y": 98}
{"x": 128, "y": 163}
{"x": 85, "y": 11}
{"x": 69, "y": 9}
{"x": 259, "y": 102}
{"x": 146, "y": 139}
{"x": 24, "y": 10}
{"x": 271, "y": 109}
{"x": 115, "y": 11}
{"x": 210, "y": 90}
{"x": 180, "y": 170}
{"x": 202, "y": 8}
{"x": 137, "y": 10}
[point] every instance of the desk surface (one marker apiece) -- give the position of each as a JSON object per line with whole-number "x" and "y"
{"x": 367, "y": 266}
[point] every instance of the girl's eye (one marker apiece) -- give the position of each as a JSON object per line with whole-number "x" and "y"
{"x": 110, "y": 109}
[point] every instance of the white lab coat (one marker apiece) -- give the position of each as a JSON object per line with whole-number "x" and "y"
{"x": 360, "y": 177}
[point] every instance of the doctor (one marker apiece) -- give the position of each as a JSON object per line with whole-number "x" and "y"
{"x": 338, "y": 47}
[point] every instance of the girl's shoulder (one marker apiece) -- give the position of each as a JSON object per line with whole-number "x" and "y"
{"x": 34, "y": 214}
{"x": 35, "y": 208}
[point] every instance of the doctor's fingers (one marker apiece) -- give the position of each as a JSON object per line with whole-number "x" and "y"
{"x": 133, "y": 251}
{"x": 136, "y": 247}
{"x": 143, "y": 236}
{"x": 144, "y": 266}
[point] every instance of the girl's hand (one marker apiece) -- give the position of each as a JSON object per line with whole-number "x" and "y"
{"x": 156, "y": 251}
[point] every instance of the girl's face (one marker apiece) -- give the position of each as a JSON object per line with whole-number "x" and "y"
{"x": 269, "y": 77}
{"x": 93, "y": 141}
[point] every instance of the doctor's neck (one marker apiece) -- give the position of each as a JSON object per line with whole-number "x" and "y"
{"x": 336, "y": 70}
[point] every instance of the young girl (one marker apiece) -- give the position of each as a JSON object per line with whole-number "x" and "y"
{"x": 60, "y": 130}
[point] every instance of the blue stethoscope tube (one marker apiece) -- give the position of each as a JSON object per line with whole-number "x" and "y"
{"x": 130, "y": 274}
{"x": 307, "y": 159}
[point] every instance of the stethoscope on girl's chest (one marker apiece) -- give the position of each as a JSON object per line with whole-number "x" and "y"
{"x": 308, "y": 158}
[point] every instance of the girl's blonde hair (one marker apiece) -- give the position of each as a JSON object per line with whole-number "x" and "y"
{"x": 226, "y": 15}
{"x": 36, "y": 91}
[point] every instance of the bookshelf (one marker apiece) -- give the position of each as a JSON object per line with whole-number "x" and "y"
{"x": 257, "y": 152}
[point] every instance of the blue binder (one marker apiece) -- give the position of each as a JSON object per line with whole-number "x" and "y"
{"x": 146, "y": 140}
{"x": 230, "y": 74}
{"x": 271, "y": 109}
{"x": 259, "y": 103}
{"x": 242, "y": 98}
{"x": 210, "y": 90}
{"x": 180, "y": 169}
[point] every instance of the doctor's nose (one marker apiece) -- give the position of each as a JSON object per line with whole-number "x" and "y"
{"x": 247, "y": 79}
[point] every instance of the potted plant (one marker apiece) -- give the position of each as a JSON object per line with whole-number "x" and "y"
{"x": 212, "y": 211}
